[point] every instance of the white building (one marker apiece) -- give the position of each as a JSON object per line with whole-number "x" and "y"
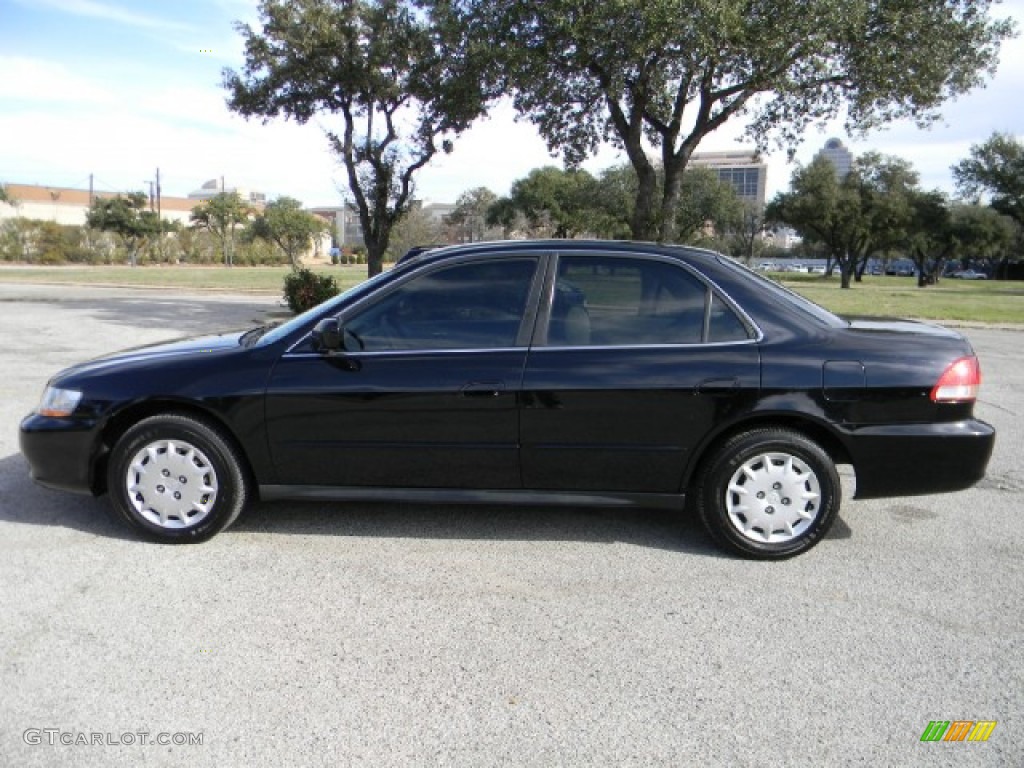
{"x": 742, "y": 168}
{"x": 65, "y": 205}
{"x": 215, "y": 187}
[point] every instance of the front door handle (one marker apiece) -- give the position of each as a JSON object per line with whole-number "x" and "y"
{"x": 483, "y": 389}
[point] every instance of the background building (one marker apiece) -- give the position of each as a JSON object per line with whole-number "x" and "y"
{"x": 214, "y": 187}
{"x": 346, "y": 230}
{"x": 836, "y": 153}
{"x": 742, "y": 168}
{"x": 65, "y": 205}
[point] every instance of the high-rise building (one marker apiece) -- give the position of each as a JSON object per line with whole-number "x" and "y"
{"x": 836, "y": 153}
{"x": 741, "y": 168}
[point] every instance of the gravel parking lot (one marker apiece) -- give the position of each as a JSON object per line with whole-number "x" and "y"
{"x": 401, "y": 635}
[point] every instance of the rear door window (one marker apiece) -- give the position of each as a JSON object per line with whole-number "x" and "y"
{"x": 614, "y": 301}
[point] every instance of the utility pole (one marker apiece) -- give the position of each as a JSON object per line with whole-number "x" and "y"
{"x": 90, "y": 190}
{"x": 159, "y": 213}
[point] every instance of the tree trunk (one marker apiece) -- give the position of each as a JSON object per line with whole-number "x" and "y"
{"x": 670, "y": 201}
{"x": 374, "y": 256}
{"x": 847, "y": 266}
{"x": 644, "y": 225}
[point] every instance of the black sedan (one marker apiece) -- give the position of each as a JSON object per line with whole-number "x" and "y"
{"x": 587, "y": 373}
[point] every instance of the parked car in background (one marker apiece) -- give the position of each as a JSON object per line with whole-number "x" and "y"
{"x": 576, "y": 372}
{"x": 969, "y": 274}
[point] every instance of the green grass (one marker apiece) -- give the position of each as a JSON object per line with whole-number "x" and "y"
{"x": 985, "y": 301}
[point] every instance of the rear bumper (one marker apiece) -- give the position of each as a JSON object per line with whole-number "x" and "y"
{"x": 60, "y": 452}
{"x": 912, "y": 459}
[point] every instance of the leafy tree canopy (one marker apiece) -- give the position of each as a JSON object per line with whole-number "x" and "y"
{"x": 470, "y": 215}
{"x": 995, "y": 167}
{"x": 127, "y": 217}
{"x": 672, "y": 72}
{"x": 284, "y": 223}
{"x": 866, "y": 212}
{"x": 219, "y": 216}
{"x": 399, "y": 81}
{"x": 556, "y": 202}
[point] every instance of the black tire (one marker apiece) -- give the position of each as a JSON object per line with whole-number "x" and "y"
{"x": 771, "y": 501}
{"x": 183, "y": 450}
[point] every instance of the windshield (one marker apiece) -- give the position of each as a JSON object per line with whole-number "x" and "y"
{"x": 784, "y": 294}
{"x": 284, "y": 329}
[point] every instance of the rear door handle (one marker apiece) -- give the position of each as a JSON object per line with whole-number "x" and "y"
{"x": 723, "y": 386}
{"x": 483, "y": 389}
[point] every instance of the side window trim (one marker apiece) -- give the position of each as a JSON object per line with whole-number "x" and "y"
{"x": 526, "y": 321}
{"x": 540, "y": 336}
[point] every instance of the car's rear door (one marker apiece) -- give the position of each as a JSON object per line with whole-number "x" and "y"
{"x": 635, "y": 360}
{"x": 426, "y": 395}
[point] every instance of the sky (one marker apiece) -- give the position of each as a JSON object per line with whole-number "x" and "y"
{"x": 119, "y": 88}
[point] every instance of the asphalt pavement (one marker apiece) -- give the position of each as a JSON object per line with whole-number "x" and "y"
{"x": 386, "y": 635}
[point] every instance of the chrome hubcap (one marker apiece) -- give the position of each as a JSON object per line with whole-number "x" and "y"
{"x": 773, "y": 498}
{"x": 171, "y": 484}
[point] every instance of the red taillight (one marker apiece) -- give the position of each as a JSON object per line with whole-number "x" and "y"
{"x": 959, "y": 382}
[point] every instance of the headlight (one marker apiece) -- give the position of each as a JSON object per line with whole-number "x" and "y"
{"x": 58, "y": 402}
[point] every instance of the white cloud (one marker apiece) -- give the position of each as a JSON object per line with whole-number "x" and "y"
{"x": 106, "y": 12}
{"x": 50, "y": 82}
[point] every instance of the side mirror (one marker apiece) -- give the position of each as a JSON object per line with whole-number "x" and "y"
{"x": 327, "y": 336}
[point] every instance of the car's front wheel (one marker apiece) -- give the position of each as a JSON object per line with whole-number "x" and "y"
{"x": 769, "y": 494}
{"x": 176, "y": 478}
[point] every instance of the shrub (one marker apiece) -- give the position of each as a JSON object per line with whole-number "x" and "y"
{"x": 304, "y": 289}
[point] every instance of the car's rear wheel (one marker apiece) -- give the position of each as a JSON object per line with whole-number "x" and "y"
{"x": 769, "y": 494}
{"x": 176, "y": 478}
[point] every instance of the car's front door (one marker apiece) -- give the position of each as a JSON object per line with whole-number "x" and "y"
{"x": 426, "y": 394}
{"x": 635, "y": 362}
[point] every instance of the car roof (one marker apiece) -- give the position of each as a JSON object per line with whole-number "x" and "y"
{"x": 504, "y": 247}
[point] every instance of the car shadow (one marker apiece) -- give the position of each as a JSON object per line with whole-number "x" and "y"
{"x": 22, "y": 501}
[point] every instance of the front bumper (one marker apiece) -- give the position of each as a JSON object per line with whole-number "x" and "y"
{"x": 913, "y": 459}
{"x": 61, "y": 452}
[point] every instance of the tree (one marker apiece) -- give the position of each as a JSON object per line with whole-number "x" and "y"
{"x": 219, "y": 216}
{"x": 746, "y": 236}
{"x": 415, "y": 228}
{"x": 5, "y": 196}
{"x": 865, "y": 213}
{"x": 284, "y": 223}
{"x": 402, "y": 81}
{"x": 940, "y": 231}
{"x": 983, "y": 235}
{"x": 504, "y": 214}
{"x": 706, "y": 200}
{"x": 127, "y": 217}
{"x": 671, "y": 73}
{"x": 555, "y": 202}
{"x": 826, "y": 212}
{"x": 995, "y": 167}
{"x": 470, "y": 215}
{"x": 932, "y": 237}
{"x": 885, "y": 185}
{"x": 703, "y": 200}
